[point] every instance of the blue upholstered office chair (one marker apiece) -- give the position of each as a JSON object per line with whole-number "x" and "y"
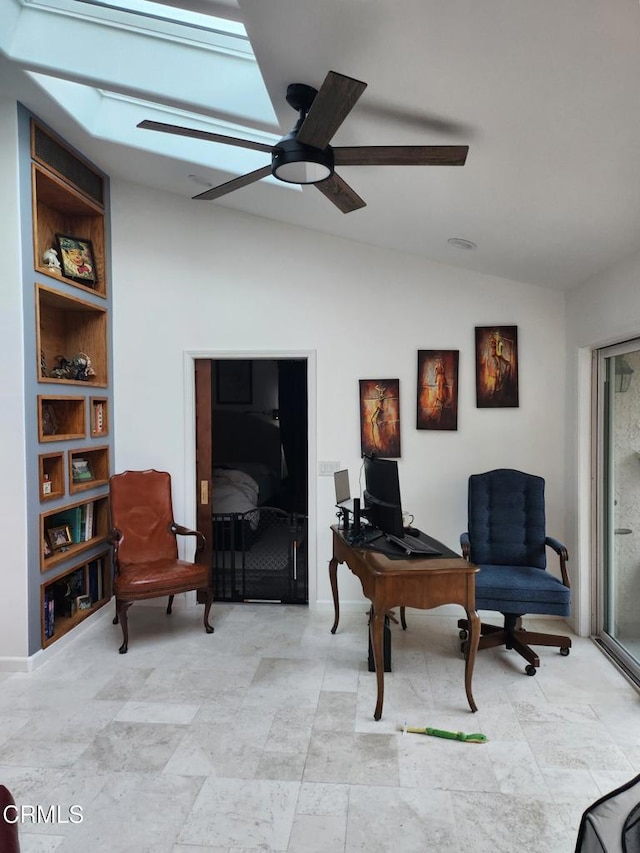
{"x": 507, "y": 540}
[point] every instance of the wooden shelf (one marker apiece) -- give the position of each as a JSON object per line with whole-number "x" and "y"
{"x": 58, "y": 596}
{"x": 59, "y": 208}
{"x": 73, "y": 515}
{"x": 66, "y": 326}
{"x": 51, "y": 465}
{"x": 66, "y": 416}
{"x": 69, "y": 197}
{"x": 97, "y": 459}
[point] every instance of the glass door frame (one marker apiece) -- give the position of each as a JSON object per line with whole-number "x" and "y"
{"x": 603, "y": 512}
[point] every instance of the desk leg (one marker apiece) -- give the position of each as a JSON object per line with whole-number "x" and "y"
{"x": 472, "y": 648}
{"x": 333, "y": 577}
{"x": 376, "y": 630}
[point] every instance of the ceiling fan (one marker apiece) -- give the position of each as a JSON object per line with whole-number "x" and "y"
{"x": 304, "y": 155}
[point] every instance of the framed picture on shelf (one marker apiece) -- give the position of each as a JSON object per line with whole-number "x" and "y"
{"x": 83, "y": 602}
{"x": 81, "y": 470}
{"x": 380, "y": 417}
{"x": 234, "y": 381}
{"x": 60, "y": 537}
{"x": 77, "y": 259}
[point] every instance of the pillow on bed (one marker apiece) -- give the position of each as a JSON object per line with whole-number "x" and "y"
{"x": 235, "y": 491}
{"x": 266, "y": 478}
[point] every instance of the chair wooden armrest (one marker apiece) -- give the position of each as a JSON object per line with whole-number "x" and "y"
{"x": 179, "y": 530}
{"x": 562, "y": 552}
{"x": 465, "y": 544}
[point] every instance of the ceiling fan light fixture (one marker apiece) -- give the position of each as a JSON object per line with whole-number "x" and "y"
{"x": 295, "y": 163}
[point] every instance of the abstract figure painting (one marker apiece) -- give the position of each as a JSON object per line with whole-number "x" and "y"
{"x": 380, "y": 417}
{"x": 496, "y": 367}
{"x": 438, "y": 389}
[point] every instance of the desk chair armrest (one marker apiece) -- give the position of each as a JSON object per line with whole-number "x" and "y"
{"x": 465, "y": 544}
{"x": 562, "y": 552}
{"x": 179, "y": 530}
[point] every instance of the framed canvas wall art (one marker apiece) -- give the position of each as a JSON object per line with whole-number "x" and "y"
{"x": 380, "y": 417}
{"x": 497, "y": 367}
{"x": 437, "y": 400}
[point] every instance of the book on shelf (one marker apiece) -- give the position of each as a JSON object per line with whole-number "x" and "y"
{"x": 73, "y": 518}
{"x": 87, "y": 527}
{"x": 95, "y": 572}
{"x": 48, "y": 615}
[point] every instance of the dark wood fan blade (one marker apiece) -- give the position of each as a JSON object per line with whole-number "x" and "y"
{"x": 235, "y": 184}
{"x": 340, "y": 193}
{"x": 330, "y": 107}
{"x": 192, "y": 133}
{"x": 401, "y": 155}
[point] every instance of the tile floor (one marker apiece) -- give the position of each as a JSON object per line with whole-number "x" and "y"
{"x": 261, "y": 737}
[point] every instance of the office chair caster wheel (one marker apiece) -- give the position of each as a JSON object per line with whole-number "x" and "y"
{"x": 463, "y": 634}
{"x": 564, "y": 651}
{"x": 530, "y": 669}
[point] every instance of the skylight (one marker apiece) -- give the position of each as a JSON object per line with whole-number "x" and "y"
{"x": 109, "y": 64}
{"x": 160, "y": 18}
{"x": 169, "y": 12}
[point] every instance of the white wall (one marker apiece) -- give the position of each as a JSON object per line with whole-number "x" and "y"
{"x": 13, "y": 533}
{"x": 198, "y": 277}
{"x": 603, "y": 310}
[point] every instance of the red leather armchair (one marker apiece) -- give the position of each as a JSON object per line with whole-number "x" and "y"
{"x": 146, "y": 563}
{"x": 9, "y": 841}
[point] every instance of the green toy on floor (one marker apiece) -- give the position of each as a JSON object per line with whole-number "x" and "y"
{"x": 472, "y": 738}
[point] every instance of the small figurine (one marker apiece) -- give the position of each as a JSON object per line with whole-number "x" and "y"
{"x": 78, "y": 368}
{"x": 50, "y": 258}
{"x": 82, "y": 366}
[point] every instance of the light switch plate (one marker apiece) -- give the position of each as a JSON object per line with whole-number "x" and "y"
{"x": 327, "y": 468}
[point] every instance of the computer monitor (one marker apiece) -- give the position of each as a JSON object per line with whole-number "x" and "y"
{"x": 382, "y": 505}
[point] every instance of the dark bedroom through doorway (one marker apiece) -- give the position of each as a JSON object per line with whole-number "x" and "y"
{"x": 252, "y": 464}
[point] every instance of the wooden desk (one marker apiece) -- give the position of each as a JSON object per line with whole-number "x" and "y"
{"x": 421, "y": 582}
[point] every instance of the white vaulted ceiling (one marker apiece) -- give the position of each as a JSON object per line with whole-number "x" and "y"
{"x": 545, "y": 94}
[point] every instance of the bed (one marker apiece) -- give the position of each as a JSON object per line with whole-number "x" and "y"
{"x": 241, "y": 487}
{"x": 259, "y": 550}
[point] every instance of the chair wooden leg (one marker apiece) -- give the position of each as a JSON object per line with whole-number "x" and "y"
{"x": 514, "y": 636}
{"x": 525, "y": 651}
{"x": 122, "y": 607}
{"x": 207, "y": 607}
{"x": 492, "y": 639}
{"x": 535, "y": 639}
{"x": 170, "y": 604}
{"x": 403, "y": 620}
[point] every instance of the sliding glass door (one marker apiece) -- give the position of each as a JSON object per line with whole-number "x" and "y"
{"x": 617, "y": 605}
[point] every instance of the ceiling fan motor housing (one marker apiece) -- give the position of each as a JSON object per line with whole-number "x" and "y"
{"x": 296, "y": 163}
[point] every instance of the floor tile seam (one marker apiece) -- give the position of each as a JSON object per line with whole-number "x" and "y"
{"x": 190, "y": 810}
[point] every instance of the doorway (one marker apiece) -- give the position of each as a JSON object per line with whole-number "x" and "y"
{"x": 252, "y": 461}
{"x": 617, "y": 585}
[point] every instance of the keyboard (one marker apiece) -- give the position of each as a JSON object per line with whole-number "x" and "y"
{"x": 412, "y": 545}
{"x": 366, "y": 536}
